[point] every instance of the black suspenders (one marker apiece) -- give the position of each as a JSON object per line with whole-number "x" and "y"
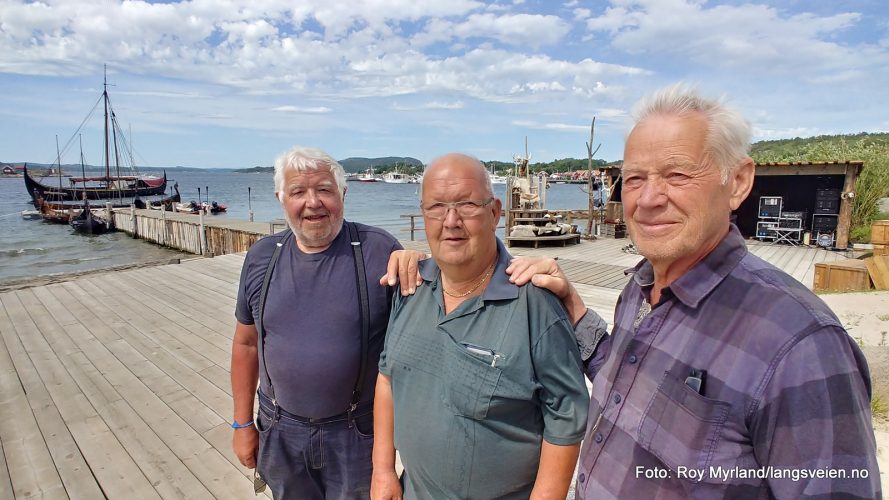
{"x": 363, "y": 302}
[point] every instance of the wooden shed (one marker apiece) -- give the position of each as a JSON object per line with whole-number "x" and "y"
{"x": 801, "y": 186}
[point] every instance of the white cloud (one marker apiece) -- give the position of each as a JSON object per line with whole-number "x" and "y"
{"x": 581, "y": 14}
{"x": 561, "y": 127}
{"x": 743, "y": 36}
{"x": 785, "y": 133}
{"x": 430, "y": 105}
{"x": 532, "y": 30}
{"x": 464, "y": 68}
{"x": 302, "y": 110}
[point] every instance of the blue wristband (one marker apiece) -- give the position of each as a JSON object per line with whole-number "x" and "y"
{"x": 236, "y": 425}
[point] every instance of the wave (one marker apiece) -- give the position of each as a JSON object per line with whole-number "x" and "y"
{"x": 23, "y": 252}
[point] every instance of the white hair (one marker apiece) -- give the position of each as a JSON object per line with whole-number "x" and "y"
{"x": 303, "y": 159}
{"x": 728, "y": 133}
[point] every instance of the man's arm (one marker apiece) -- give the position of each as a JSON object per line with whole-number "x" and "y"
{"x": 403, "y": 269}
{"x": 244, "y": 378}
{"x": 384, "y": 483}
{"x": 555, "y": 471}
{"x": 814, "y": 415}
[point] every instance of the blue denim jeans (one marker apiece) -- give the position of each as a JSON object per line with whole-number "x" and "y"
{"x": 303, "y": 459}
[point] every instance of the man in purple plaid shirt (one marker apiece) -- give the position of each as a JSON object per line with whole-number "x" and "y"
{"x": 723, "y": 376}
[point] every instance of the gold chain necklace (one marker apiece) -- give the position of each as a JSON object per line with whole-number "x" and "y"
{"x": 474, "y": 287}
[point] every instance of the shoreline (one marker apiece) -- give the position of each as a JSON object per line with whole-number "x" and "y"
{"x": 48, "y": 279}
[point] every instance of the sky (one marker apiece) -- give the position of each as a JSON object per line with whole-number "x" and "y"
{"x": 232, "y": 83}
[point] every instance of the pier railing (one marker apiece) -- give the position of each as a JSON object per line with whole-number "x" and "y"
{"x": 206, "y": 235}
{"x": 190, "y": 233}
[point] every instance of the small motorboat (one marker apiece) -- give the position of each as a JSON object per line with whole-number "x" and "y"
{"x": 31, "y": 214}
{"x": 216, "y": 208}
{"x": 190, "y": 207}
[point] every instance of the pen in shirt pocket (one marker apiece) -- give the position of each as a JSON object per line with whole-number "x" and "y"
{"x": 696, "y": 380}
{"x": 481, "y": 350}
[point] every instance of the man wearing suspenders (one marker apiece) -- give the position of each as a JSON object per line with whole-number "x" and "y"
{"x": 309, "y": 332}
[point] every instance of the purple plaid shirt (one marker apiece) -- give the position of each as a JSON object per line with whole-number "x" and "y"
{"x": 784, "y": 406}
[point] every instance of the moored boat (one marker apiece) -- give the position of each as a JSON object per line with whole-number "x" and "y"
{"x": 89, "y": 223}
{"x": 109, "y": 186}
{"x": 368, "y": 176}
{"x": 396, "y": 177}
{"x": 98, "y": 188}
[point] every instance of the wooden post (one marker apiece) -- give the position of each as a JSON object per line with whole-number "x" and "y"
{"x": 590, "y": 201}
{"x": 510, "y": 204}
{"x": 133, "y": 220}
{"x": 844, "y": 221}
{"x": 249, "y": 206}
{"x": 202, "y": 236}
{"x": 164, "y": 224}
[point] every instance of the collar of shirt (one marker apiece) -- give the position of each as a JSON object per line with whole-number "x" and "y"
{"x": 499, "y": 288}
{"x": 703, "y": 277}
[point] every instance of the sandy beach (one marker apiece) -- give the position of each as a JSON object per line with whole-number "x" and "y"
{"x": 866, "y": 318}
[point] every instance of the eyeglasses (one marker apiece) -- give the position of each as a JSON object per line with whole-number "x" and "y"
{"x": 465, "y": 209}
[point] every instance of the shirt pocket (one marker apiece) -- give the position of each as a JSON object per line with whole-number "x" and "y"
{"x": 471, "y": 377}
{"x": 682, "y": 427}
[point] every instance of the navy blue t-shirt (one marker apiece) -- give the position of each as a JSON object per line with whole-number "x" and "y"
{"x": 312, "y": 319}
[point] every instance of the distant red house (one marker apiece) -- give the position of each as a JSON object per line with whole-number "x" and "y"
{"x": 9, "y": 170}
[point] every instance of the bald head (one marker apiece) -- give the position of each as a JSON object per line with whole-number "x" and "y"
{"x": 454, "y": 166}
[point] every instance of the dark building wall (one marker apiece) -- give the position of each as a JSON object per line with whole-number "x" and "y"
{"x": 798, "y": 192}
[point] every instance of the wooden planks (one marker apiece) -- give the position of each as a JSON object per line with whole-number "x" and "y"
{"x": 28, "y": 468}
{"x": 117, "y": 384}
{"x": 878, "y": 269}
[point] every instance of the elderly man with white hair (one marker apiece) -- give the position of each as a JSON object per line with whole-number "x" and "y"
{"x": 723, "y": 377}
{"x": 310, "y": 328}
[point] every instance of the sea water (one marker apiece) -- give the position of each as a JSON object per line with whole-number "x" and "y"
{"x": 30, "y": 248}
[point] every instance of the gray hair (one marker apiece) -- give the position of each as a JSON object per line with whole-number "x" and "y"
{"x": 488, "y": 184}
{"x": 303, "y": 159}
{"x": 728, "y": 133}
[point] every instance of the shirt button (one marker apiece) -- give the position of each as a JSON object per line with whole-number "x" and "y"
{"x": 616, "y": 398}
{"x": 632, "y": 359}
{"x": 581, "y": 477}
{"x": 599, "y": 437}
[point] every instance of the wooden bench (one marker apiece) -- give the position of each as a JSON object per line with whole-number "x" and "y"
{"x": 562, "y": 239}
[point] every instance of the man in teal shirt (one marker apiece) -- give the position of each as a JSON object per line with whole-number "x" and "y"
{"x": 480, "y": 386}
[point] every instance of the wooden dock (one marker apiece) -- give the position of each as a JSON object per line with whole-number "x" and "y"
{"x": 116, "y": 385}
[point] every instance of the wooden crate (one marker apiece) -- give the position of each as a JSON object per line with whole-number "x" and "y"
{"x": 878, "y": 269}
{"x": 614, "y": 230}
{"x": 881, "y": 250}
{"x": 841, "y": 276}
{"x": 879, "y": 232}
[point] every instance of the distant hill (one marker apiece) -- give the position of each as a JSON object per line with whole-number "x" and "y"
{"x": 822, "y": 147}
{"x": 362, "y": 164}
{"x": 352, "y": 164}
{"x": 254, "y": 170}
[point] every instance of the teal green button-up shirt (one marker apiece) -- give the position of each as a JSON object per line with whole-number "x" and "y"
{"x": 477, "y": 390}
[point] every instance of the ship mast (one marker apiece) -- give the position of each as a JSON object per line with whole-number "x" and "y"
{"x": 107, "y": 151}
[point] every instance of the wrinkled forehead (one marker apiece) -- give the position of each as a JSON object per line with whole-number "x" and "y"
{"x": 454, "y": 188}
{"x": 666, "y": 139}
{"x": 320, "y": 176}
{"x": 455, "y": 176}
